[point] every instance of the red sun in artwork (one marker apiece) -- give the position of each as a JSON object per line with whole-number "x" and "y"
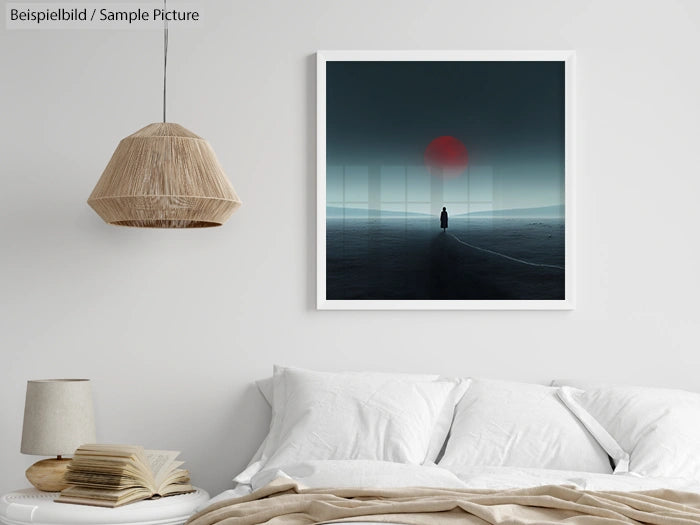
{"x": 446, "y": 156}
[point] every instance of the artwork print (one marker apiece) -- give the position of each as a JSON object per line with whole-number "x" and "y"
{"x": 443, "y": 183}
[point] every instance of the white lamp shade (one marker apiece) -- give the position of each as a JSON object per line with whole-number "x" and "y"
{"x": 58, "y": 417}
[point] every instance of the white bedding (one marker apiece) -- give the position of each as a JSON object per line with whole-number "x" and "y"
{"x": 511, "y": 424}
{"x": 356, "y": 415}
{"x": 500, "y": 435}
{"x": 382, "y": 474}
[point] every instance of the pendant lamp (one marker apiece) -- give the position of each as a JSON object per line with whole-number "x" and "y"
{"x": 164, "y": 176}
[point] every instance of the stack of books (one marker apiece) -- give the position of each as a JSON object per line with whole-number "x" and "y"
{"x": 114, "y": 475}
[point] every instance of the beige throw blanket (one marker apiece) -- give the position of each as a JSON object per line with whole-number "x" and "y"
{"x": 283, "y": 502}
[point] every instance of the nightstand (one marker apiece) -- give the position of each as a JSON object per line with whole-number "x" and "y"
{"x": 30, "y": 506}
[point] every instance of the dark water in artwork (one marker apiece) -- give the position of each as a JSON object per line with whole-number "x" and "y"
{"x": 488, "y": 259}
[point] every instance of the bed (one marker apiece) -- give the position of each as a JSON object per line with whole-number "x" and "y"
{"x": 424, "y": 449}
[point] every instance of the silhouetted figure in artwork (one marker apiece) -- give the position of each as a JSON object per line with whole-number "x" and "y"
{"x": 443, "y": 219}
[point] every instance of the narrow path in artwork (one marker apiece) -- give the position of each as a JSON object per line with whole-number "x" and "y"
{"x": 521, "y": 261}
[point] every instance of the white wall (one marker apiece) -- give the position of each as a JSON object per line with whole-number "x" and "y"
{"x": 173, "y": 326}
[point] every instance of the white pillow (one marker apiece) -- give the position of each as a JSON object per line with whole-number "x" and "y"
{"x": 356, "y": 415}
{"x": 506, "y": 424}
{"x": 656, "y": 429}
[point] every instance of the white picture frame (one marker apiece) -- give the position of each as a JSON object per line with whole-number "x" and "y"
{"x": 567, "y": 57}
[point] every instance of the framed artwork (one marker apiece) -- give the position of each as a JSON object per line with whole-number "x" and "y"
{"x": 445, "y": 180}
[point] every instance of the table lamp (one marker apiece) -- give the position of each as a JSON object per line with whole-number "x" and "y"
{"x": 58, "y": 418}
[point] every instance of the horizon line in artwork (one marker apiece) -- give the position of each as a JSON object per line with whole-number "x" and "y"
{"x": 556, "y": 211}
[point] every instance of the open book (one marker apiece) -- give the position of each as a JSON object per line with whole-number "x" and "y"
{"x": 113, "y": 475}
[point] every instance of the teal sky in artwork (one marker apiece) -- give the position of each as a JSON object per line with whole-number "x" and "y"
{"x": 382, "y": 115}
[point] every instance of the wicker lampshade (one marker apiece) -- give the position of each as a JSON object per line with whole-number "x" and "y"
{"x": 164, "y": 176}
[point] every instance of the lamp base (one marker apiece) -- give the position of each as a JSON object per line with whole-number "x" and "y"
{"x": 48, "y": 474}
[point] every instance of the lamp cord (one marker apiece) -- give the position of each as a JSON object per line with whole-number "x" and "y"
{"x": 165, "y": 56}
